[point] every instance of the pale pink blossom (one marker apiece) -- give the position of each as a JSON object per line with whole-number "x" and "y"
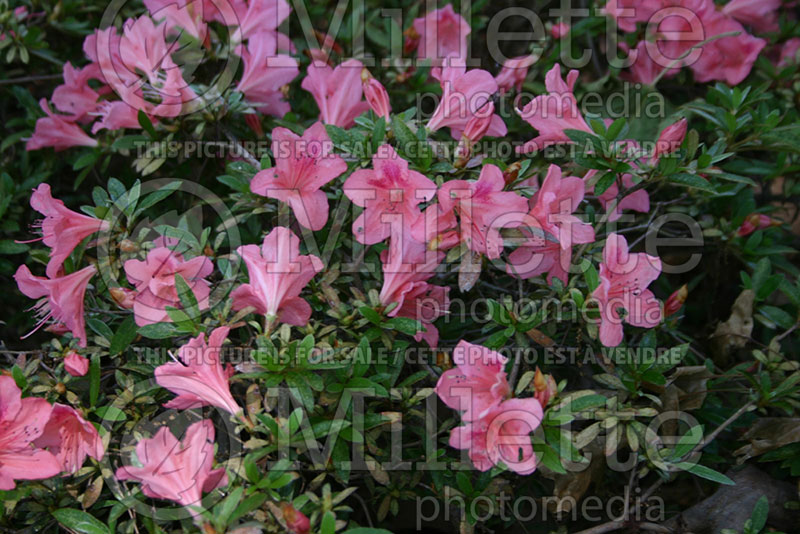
{"x": 502, "y": 435}
{"x": 265, "y": 72}
{"x": 464, "y": 94}
{"x": 178, "y": 471}
{"x": 407, "y": 267}
{"x": 637, "y": 201}
{"x": 762, "y": 15}
{"x": 337, "y": 92}
{"x": 549, "y": 249}
{"x": 729, "y": 59}
{"x": 644, "y": 69}
{"x": 186, "y": 15}
{"x": 390, "y": 194}
{"x": 61, "y": 299}
{"x": 154, "y": 280}
{"x": 117, "y": 115}
{"x": 21, "y": 422}
{"x": 513, "y": 73}
{"x": 199, "y": 379}
{"x": 789, "y": 51}
{"x": 71, "y": 438}
{"x": 624, "y": 277}
{"x": 57, "y": 131}
{"x": 75, "y": 364}
{"x": 442, "y": 33}
{"x": 303, "y": 164}
{"x": 62, "y": 229}
{"x": 554, "y": 112}
{"x": 278, "y": 273}
{"x": 483, "y": 208}
{"x": 477, "y": 384}
{"x": 75, "y": 97}
{"x": 253, "y": 16}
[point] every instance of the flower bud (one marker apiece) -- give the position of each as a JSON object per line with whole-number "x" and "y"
{"x": 512, "y": 172}
{"x": 755, "y": 221}
{"x": 122, "y": 296}
{"x": 670, "y": 138}
{"x": 559, "y": 30}
{"x": 296, "y": 521}
{"x": 253, "y": 121}
{"x": 411, "y": 40}
{"x": 75, "y": 364}
{"x": 376, "y": 95}
{"x": 676, "y": 300}
{"x": 545, "y": 387}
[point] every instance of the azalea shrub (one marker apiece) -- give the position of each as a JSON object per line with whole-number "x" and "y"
{"x": 370, "y": 267}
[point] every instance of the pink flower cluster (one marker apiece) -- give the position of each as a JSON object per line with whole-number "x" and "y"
{"x": 39, "y": 440}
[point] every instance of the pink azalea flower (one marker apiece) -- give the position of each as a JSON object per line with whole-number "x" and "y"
{"x": 302, "y": 166}
{"x": 21, "y": 422}
{"x": 624, "y": 278}
{"x": 551, "y": 210}
{"x": 502, "y": 435}
{"x": 484, "y": 208}
{"x": 442, "y": 33}
{"x": 463, "y": 95}
{"x": 75, "y": 97}
{"x": 184, "y": 15}
{"x": 730, "y": 58}
{"x": 64, "y": 298}
{"x": 116, "y": 116}
{"x": 513, "y": 73}
{"x": 278, "y": 273}
{"x": 253, "y": 16}
{"x": 62, "y": 229}
{"x": 644, "y": 69}
{"x": 337, "y": 92}
{"x": 70, "y": 438}
{"x": 407, "y": 266}
{"x": 559, "y": 30}
{"x": 762, "y": 15}
{"x": 175, "y": 470}
{"x": 554, "y": 112}
{"x": 376, "y": 95}
{"x": 57, "y": 131}
{"x": 154, "y": 279}
{"x": 789, "y": 52}
{"x": 199, "y": 379}
{"x": 265, "y": 72}
{"x": 477, "y": 384}
{"x": 75, "y": 364}
{"x": 390, "y": 194}
{"x": 636, "y": 201}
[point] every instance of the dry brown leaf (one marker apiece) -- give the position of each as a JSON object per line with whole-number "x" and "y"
{"x": 734, "y": 332}
{"x": 769, "y": 433}
{"x": 469, "y": 271}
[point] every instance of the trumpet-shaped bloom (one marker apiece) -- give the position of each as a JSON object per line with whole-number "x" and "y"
{"x": 255, "y": 16}
{"x": 70, "y": 438}
{"x": 407, "y": 267}
{"x": 484, "y": 208}
{"x": 178, "y": 471}
{"x": 442, "y": 33}
{"x": 762, "y": 15}
{"x": 477, "y": 384}
{"x": 337, "y": 92}
{"x": 514, "y": 72}
{"x": 186, "y": 15}
{"x": 390, "y": 194}
{"x": 57, "y": 131}
{"x": 278, "y": 273}
{"x": 554, "y": 112}
{"x": 624, "y": 278}
{"x": 61, "y": 299}
{"x": 75, "y": 364}
{"x": 302, "y": 166}
{"x": 628, "y": 12}
{"x": 551, "y": 212}
{"x": 199, "y": 379}
{"x": 265, "y": 72}
{"x": 116, "y": 116}
{"x": 154, "y": 279}
{"x": 21, "y": 422}
{"x": 463, "y": 96}
{"x": 62, "y": 229}
{"x": 502, "y": 435}
{"x": 74, "y": 97}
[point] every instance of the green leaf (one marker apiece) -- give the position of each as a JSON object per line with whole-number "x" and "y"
{"x": 94, "y": 379}
{"x": 19, "y": 377}
{"x": 760, "y": 512}
{"x": 125, "y": 334}
{"x": 224, "y": 510}
{"x": 78, "y": 521}
{"x": 705, "y": 472}
{"x": 158, "y": 330}
{"x": 405, "y": 325}
{"x": 692, "y": 180}
{"x": 187, "y": 297}
{"x": 144, "y": 122}
{"x": 605, "y": 181}
{"x": 100, "y": 328}
{"x": 328, "y": 523}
